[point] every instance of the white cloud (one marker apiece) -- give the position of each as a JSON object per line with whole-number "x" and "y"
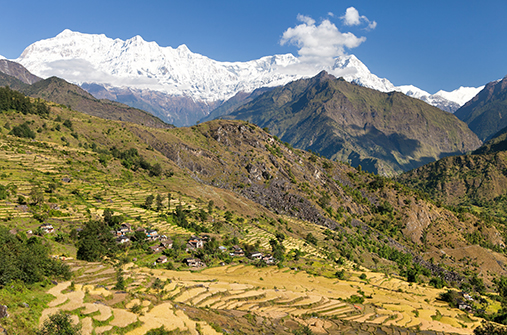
{"x": 82, "y": 71}
{"x": 352, "y": 18}
{"x": 319, "y": 44}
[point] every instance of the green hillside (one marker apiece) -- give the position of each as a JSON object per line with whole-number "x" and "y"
{"x": 478, "y": 179}
{"x": 352, "y": 251}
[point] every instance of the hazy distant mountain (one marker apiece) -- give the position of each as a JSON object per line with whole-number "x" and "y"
{"x": 72, "y": 96}
{"x": 180, "y": 86}
{"x": 486, "y": 113}
{"x": 18, "y": 71}
{"x": 383, "y": 132}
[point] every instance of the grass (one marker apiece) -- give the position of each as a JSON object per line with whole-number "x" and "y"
{"x": 25, "y": 304}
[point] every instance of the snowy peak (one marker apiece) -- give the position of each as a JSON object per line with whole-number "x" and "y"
{"x": 136, "y": 64}
{"x": 461, "y": 95}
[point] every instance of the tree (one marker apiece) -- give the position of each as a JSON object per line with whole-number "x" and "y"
{"x": 211, "y": 203}
{"x": 108, "y": 216}
{"x": 120, "y": 281}
{"x": 140, "y": 239}
{"x": 203, "y": 216}
{"x": 149, "y": 201}
{"x": 59, "y": 324}
{"x": 501, "y": 288}
{"x": 36, "y": 196}
{"x": 95, "y": 241}
{"x": 155, "y": 170}
{"x": 488, "y": 328}
{"x": 311, "y": 239}
{"x": 158, "y": 203}
{"x": 27, "y": 260}
{"x": 228, "y": 216}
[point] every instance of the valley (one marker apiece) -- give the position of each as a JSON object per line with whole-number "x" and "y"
{"x": 353, "y": 252}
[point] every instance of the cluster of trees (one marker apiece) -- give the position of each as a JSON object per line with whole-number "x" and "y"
{"x": 27, "y": 260}
{"x": 23, "y": 130}
{"x": 96, "y": 241}
{"x": 13, "y": 100}
{"x": 131, "y": 159}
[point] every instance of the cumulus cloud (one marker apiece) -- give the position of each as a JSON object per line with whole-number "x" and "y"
{"x": 352, "y": 18}
{"x": 82, "y": 71}
{"x": 319, "y": 43}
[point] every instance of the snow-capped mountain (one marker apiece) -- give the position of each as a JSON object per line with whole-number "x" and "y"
{"x": 146, "y": 75}
{"x": 447, "y": 101}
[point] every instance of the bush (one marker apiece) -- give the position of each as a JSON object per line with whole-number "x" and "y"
{"x": 23, "y": 131}
{"x": 27, "y": 260}
{"x": 355, "y": 299}
{"x": 59, "y": 324}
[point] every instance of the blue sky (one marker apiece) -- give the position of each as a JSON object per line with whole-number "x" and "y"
{"x": 430, "y": 44}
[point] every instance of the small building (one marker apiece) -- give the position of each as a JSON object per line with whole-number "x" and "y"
{"x": 166, "y": 244}
{"x": 47, "y": 228}
{"x": 268, "y": 259}
{"x": 467, "y": 296}
{"x": 195, "y": 242}
{"x": 194, "y": 262}
{"x": 237, "y": 252}
{"x": 155, "y": 249}
{"x": 151, "y": 234}
{"x": 162, "y": 259}
{"x": 222, "y": 248}
{"x": 125, "y": 228}
{"x": 122, "y": 239}
{"x": 256, "y": 255}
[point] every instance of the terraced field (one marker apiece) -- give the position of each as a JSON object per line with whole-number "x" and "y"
{"x": 270, "y": 293}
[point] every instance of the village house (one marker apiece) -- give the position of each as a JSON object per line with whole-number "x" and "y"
{"x": 162, "y": 259}
{"x": 195, "y": 243}
{"x": 125, "y": 228}
{"x": 155, "y": 248}
{"x": 166, "y": 243}
{"x": 256, "y": 255}
{"x": 467, "y": 296}
{"x": 122, "y": 239}
{"x": 151, "y": 234}
{"x": 47, "y": 228}
{"x": 194, "y": 262}
{"x": 268, "y": 259}
{"x": 237, "y": 252}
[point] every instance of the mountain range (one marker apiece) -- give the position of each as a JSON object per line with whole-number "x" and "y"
{"x": 182, "y": 87}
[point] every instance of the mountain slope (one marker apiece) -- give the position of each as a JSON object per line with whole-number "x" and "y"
{"x": 59, "y": 91}
{"x": 18, "y": 71}
{"x": 478, "y": 179}
{"x": 180, "y": 86}
{"x": 486, "y": 113}
{"x": 239, "y": 185}
{"x": 383, "y": 132}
